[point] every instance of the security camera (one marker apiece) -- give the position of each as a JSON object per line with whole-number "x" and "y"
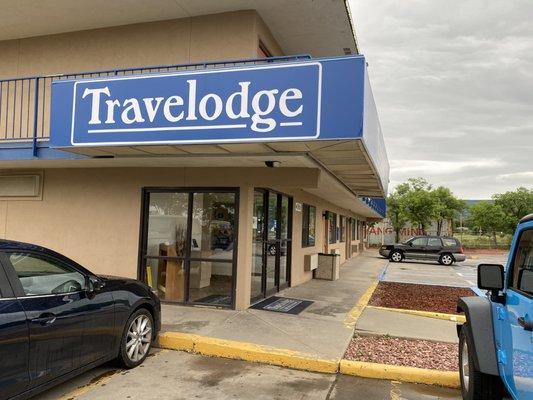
{"x": 272, "y": 164}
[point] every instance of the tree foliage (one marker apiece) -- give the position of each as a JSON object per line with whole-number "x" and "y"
{"x": 419, "y": 202}
{"x": 396, "y": 213}
{"x": 489, "y": 218}
{"x": 416, "y": 201}
{"x": 516, "y": 204}
{"x": 447, "y": 206}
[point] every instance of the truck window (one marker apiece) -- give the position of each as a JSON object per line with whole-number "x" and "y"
{"x": 523, "y": 259}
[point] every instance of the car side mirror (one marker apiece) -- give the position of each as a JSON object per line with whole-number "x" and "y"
{"x": 490, "y": 277}
{"x": 94, "y": 284}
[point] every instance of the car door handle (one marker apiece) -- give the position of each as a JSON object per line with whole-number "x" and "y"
{"x": 527, "y": 325}
{"x": 45, "y": 319}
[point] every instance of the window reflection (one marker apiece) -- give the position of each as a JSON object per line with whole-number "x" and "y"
{"x": 208, "y": 254}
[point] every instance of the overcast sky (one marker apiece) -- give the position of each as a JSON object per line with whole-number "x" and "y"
{"x": 453, "y": 83}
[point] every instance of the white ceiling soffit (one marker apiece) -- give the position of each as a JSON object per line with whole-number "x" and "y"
{"x": 318, "y": 27}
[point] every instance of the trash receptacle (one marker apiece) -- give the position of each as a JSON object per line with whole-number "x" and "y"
{"x": 328, "y": 266}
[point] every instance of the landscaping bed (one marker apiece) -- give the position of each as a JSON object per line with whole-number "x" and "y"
{"x": 405, "y": 352}
{"x": 410, "y": 296}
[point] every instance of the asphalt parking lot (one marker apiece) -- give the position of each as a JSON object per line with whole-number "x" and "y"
{"x": 463, "y": 274}
{"x": 177, "y": 375}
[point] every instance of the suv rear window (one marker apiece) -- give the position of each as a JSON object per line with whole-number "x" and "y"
{"x": 449, "y": 242}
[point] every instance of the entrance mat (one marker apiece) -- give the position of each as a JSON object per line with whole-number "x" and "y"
{"x": 283, "y": 305}
{"x": 215, "y": 299}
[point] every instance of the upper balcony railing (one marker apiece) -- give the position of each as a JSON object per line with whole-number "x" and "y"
{"x": 25, "y": 102}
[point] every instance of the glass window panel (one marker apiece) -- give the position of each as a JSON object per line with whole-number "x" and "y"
{"x": 434, "y": 242}
{"x": 213, "y": 240}
{"x": 284, "y": 217}
{"x": 213, "y": 225}
{"x": 272, "y": 215}
{"x": 167, "y": 237}
{"x": 308, "y": 225}
{"x": 420, "y": 242}
{"x": 41, "y": 276}
{"x": 210, "y": 282}
{"x": 257, "y": 245}
{"x": 523, "y": 259}
{"x": 332, "y": 232}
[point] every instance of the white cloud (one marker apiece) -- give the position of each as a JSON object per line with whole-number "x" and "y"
{"x": 453, "y": 82}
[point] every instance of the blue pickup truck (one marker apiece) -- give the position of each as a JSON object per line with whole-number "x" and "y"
{"x": 496, "y": 342}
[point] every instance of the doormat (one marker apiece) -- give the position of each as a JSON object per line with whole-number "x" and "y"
{"x": 215, "y": 299}
{"x": 283, "y": 305}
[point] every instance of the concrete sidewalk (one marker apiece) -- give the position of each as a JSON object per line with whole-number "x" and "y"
{"x": 321, "y": 330}
{"x": 382, "y": 322}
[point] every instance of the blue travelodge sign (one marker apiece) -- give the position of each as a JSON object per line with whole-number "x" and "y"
{"x": 228, "y": 105}
{"x": 316, "y": 99}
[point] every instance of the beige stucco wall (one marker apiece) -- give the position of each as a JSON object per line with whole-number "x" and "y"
{"x": 232, "y": 35}
{"x": 93, "y": 215}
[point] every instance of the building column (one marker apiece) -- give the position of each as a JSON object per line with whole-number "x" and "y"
{"x": 244, "y": 250}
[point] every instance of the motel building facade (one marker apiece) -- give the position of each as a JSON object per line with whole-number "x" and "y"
{"x": 217, "y": 150}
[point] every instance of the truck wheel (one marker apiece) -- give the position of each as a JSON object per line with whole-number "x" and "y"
{"x": 475, "y": 385}
{"x": 396, "y": 256}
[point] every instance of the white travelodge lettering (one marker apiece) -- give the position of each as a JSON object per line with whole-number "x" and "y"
{"x": 243, "y": 103}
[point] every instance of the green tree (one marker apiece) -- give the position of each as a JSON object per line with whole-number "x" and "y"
{"x": 489, "y": 218}
{"x": 419, "y": 201}
{"x": 447, "y": 206}
{"x": 516, "y": 204}
{"x": 396, "y": 213}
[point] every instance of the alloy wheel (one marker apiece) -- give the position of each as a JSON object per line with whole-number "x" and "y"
{"x": 447, "y": 259}
{"x": 139, "y": 338}
{"x": 396, "y": 256}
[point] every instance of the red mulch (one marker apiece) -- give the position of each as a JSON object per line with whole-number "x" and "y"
{"x": 418, "y": 297}
{"x": 405, "y": 352}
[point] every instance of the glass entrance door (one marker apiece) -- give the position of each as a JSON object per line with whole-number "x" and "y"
{"x": 271, "y": 243}
{"x": 189, "y": 244}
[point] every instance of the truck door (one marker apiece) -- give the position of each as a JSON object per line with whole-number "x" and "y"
{"x": 516, "y": 357}
{"x": 14, "y": 342}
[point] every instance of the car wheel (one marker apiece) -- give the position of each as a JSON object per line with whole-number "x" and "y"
{"x": 136, "y": 339}
{"x": 396, "y": 256}
{"x": 475, "y": 385}
{"x": 446, "y": 259}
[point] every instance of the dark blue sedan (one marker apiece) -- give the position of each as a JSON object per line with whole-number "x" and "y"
{"x": 58, "y": 319}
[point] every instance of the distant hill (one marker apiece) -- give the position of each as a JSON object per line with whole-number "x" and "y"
{"x": 470, "y": 203}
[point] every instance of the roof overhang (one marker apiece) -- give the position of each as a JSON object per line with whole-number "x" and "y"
{"x": 319, "y": 28}
{"x": 333, "y": 120}
{"x": 296, "y": 170}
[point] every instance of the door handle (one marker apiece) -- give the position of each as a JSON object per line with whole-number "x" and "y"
{"x": 45, "y": 319}
{"x": 527, "y": 325}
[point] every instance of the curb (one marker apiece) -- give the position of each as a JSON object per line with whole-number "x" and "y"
{"x": 355, "y": 313}
{"x": 400, "y": 373}
{"x": 428, "y": 314}
{"x": 221, "y": 348}
{"x": 214, "y": 347}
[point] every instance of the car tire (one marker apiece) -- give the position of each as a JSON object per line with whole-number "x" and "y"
{"x": 475, "y": 385}
{"x": 446, "y": 259}
{"x": 396, "y": 256}
{"x": 137, "y": 339}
